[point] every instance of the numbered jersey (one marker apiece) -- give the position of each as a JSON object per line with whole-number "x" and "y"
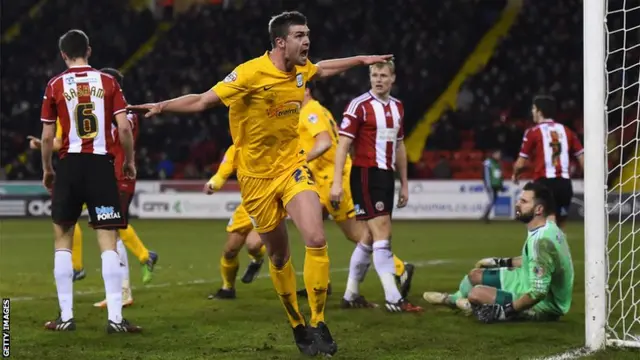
{"x": 85, "y": 101}
{"x": 548, "y": 146}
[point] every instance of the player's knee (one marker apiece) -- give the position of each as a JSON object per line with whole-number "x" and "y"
{"x": 475, "y": 296}
{"x": 316, "y": 239}
{"x": 230, "y": 254}
{"x": 278, "y": 259}
{"x": 475, "y": 276}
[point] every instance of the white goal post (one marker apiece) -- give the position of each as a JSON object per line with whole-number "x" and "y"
{"x": 611, "y": 253}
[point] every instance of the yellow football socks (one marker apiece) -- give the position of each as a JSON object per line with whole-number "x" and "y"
{"x": 260, "y": 255}
{"x": 316, "y": 281}
{"x": 399, "y": 265}
{"x": 228, "y": 271}
{"x": 76, "y": 251}
{"x": 284, "y": 281}
{"x": 134, "y": 244}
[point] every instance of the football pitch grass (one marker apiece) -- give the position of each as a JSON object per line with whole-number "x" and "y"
{"x": 181, "y": 323}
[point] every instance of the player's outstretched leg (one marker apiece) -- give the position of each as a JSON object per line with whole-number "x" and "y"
{"x": 306, "y": 212}
{"x": 76, "y": 254}
{"x": 112, "y": 276}
{"x": 63, "y": 274}
{"x": 256, "y": 251}
{"x": 457, "y": 299}
{"x": 127, "y": 297}
{"x": 283, "y": 277}
{"x": 229, "y": 265}
{"x": 147, "y": 258}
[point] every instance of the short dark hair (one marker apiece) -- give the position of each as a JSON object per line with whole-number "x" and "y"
{"x": 542, "y": 196}
{"x": 115, "y": 73}
{"x": 279, "y": 24}
{"x": 546, "y": 104}
{"x": 74, "y": 43}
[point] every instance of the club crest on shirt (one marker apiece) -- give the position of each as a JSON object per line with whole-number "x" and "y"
{"x": 313, "y": 118}
{"x": 299, "y": 80}
{"x": 538, "y": 271}
{"x": 233, "y": 76}
{"x": 345, "y": 123}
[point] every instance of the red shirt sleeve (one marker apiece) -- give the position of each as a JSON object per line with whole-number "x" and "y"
{"x": 574, "y": 143}
{"x": 353, "y": 116}
{"x": 49, "y": 112}
{"x": 527, "y": 143}
{"x": 119, "y": 103}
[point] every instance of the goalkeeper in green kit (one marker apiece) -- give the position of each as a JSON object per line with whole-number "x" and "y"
{"x": 535, "y": 286}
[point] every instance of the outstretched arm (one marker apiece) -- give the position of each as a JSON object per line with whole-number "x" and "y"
{"x": 191, "y": 103}
{"x": 333, "y": 67}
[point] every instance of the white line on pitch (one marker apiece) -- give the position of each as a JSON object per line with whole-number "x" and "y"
{"x": 569, "y": 355}
{"x": 205, "y": 281}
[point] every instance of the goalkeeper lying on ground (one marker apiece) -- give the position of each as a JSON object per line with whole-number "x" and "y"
{"x": 537, "y": 285}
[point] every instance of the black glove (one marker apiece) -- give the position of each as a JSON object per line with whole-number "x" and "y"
{"x": 504, "y": 262}
{"x": 491, "y": 313}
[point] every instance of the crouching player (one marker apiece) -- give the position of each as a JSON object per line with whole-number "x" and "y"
{"x": 239, "y": 233}
{"x": 535, "y": 286}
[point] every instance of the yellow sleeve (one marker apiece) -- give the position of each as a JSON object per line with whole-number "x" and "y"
{"x": 314, "y": 123}
{"x": 312, "y": 69}
{"x": 226, "y": 168}
{"x": 234, "y": 86}
{"x": 58, "y": 129}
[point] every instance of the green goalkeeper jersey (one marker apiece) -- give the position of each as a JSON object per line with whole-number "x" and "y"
{"x": 547, "y": 269}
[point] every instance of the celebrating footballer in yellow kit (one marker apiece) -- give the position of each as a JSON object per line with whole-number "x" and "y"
{"x": 319, "y": 139}
{"x": 239, "y": 232}
{"x": 264, "y": 96}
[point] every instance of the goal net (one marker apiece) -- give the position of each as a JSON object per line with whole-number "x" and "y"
{"x": 612, "y": 172}
{"x": 622, "y": 64}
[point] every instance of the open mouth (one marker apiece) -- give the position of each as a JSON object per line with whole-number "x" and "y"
{"x": 304, "y": 53}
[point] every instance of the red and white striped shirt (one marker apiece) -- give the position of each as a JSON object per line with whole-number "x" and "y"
{"x": 548, "y": 145}
{"x": 375, "y": 127}
{"x": 85, "y": 101}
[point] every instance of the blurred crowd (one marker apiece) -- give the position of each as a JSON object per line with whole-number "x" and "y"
{"x": 430, "y": 39}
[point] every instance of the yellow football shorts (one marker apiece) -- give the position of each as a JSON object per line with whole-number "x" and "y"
{"x": 240, "y": 221}
{"x": 346, "y": 209}
{"x": 265, "y": 199}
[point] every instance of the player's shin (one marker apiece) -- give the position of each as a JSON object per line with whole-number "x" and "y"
{"x": 383, "y": 262}
{"x": 316, "y": 281}
{"x": 358, "y": 267}
{"x": 284, "y": 281}
{"x": 133, "y": 242}
{"x": 463, "y": 290}
{"x": 63, "y": 273}
{"x": 112, "y": 275}
{"x": 229, "y": 270}
{"x": 76, "y": 254}
{"x": 124, "y": 265}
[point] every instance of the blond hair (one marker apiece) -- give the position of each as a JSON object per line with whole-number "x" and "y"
{"x": 389, "y": 63}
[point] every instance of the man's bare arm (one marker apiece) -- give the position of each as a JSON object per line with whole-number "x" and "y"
{"x": 341, "y": 157}
{"x": 125, "y": 135}
{"x": 321, "y": 144}
{"x": 401, "y": 162}
{"x": 525, "y": 302}
{"x": 581, "y": 160}
{"x": 46, "y": 149}
{"x": 191, "y": 103}
{"x": 333, "y": 67}
{"x": 519, "y": 166}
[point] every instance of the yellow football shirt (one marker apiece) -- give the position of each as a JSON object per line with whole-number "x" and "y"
{"x": 314, "y": 119}
{"x": 264, "y": 106}
{"x": 225, "y": 169}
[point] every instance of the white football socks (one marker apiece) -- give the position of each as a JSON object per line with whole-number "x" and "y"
{"x": 124, "y": 263}
{"x": 112, "y": 276}
{"x": 358, "y": 266}
{"x": 383, "y": 262}
{"x": 63, "y": 273}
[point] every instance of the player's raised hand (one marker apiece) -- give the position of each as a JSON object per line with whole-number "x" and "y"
{"x": 129, "y": 170}
{"x": 34, "y": 142}
{"x": 149, "y": 109}
{"x": 403, "y": 196}
{"x": 374, "y": 59}
{"x": 48, "y": 178}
